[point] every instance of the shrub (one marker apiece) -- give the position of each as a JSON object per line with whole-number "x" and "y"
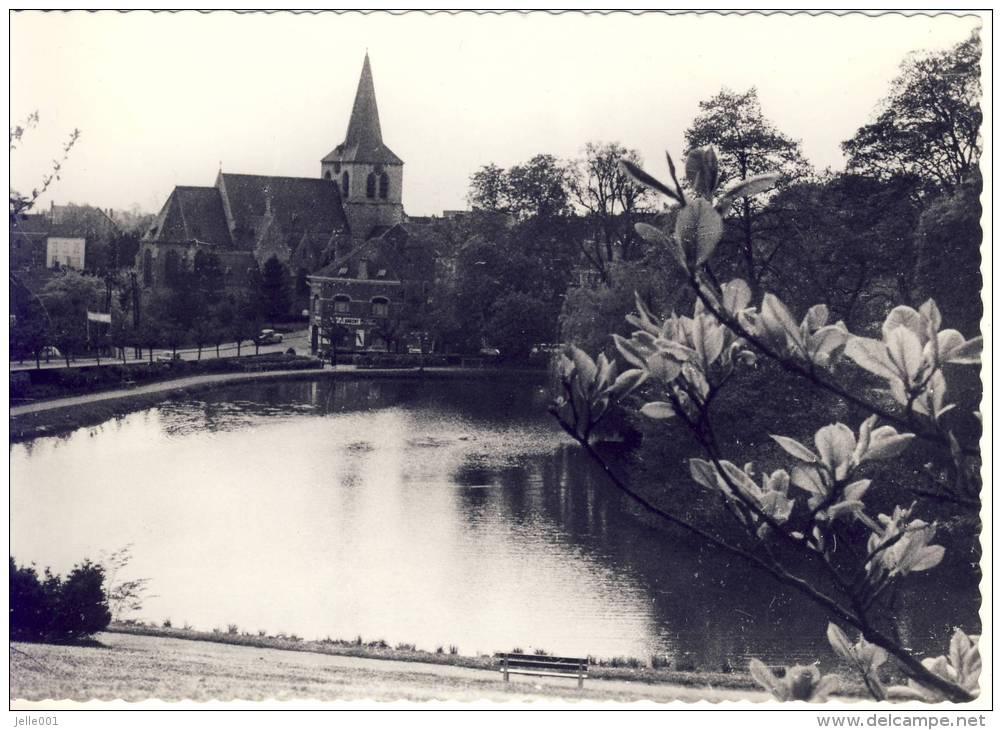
{"x": 57, "y": 609}
{"x": 232, "y": 629}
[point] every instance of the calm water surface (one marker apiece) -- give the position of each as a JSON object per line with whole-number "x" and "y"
{"x": 436, "y": 513}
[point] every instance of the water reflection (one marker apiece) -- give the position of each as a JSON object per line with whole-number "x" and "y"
{"x": 434, "y": 513}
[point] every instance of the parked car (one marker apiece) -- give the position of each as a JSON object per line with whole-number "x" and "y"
{"x": 490, "y": 352}
{"x": 168, "y": 356}
{"x": 268, "y": 337}
{"x": 50, "y": 351}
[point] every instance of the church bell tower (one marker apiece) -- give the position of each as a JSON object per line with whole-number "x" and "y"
{"x": 368, "y": 174}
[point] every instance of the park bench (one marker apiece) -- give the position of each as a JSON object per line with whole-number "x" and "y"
{"x": 544, "y": 666}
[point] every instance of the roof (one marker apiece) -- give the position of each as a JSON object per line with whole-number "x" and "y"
{"x": 191, "y": 214}
{"x": 349, "y": 266}
{"x": 299, "y": 205}
{"x": 363, "y": 142}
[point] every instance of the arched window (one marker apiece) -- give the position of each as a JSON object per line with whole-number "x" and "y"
{"x": 342, "y": 304}
{"x": 384, "y": 185}
{"x": 147, "y": 268}
{"x": 380, "y": 307}
{"x": 344, "y": 184}
{"x": 370, "y": 185}
{"x": 327, "y": 175}
{"x": 316, "y": 305}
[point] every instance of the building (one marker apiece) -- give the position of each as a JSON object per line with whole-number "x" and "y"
{"x": 60, "y": 237}
{"x": 345, "y": 233}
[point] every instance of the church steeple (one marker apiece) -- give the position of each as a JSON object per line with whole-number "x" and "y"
{"x": 367, "y": 172}
{"x": 363, "y": 142}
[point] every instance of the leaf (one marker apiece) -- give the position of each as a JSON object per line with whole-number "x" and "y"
{"x": 840, "y": 642}
{"x": 745, "y": 189}
{"x": 816, "y": 317}
{"x": 658, "y": 410}
{"x": 778, "y": 321}
{"x": 629, "y": 351}
{"x": 855, "y": 491}
{"x": 737, "y": 295}
{"x": 871, "y": 355}
{"x": 795, "y": 449}
{"x": 701, "y": 170}
{"x": 662, "y": 366}
{"x": 835, "y": 444}
{"x": 902, "y": 316}
{"x": 703, "y": 473}
{"x": 583, "y": 364}
{"x": 698, "y": 229}
{"x": 627, "y": 382}
{"x": 886, "y": 443}
{"x": 828, "y": 684}
{"x": 647, "y": 180}
{"x": 927, "y": 557}
{"x": 904, "y": 348}
{"x": 809, "y": 480}
{"x": 967, "y": 354}
{"x": 763, "y": 675}
{"x": 651, "y": 234}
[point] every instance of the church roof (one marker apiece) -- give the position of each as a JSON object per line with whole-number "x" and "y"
{"x": 298, "y": 204}
{"x": 363, "y": 141}
{"x": 191, "y": 214}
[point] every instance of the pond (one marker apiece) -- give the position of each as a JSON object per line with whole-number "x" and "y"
{"x": 429, "y": 512}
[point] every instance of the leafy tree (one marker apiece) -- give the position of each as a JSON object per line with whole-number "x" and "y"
{"x": 275, "y": 289}
{"x": 208, "y": 271}
{"x": 948, "y": 261}
{"x": 67, "y": 298}
{"x": 57, "y": 609}
{"x": 929, "y": 125}
{"x": 519, "y": 321}
{"x": 489, "y": 189}
{"x": 538, "y": 187}
{"x": 30, "y": 325}
{"x": 611, "y": 200}
{"x": 748, "y": 145}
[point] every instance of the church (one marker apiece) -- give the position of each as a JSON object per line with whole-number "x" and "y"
{"x": 344, "y": 232}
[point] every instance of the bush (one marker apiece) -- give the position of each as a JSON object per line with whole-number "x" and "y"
{"x": 57, "y": 609}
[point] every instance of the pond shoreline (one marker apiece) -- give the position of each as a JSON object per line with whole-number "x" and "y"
{"x": 63, "y": 415}
{"x": 379, "y": 650}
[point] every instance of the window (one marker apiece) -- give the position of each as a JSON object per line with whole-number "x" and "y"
{"x": 384, "y": 185}
{"x": 344, "y": 184}
{"x": 342, "y": 304}
{"x": 337, "y": 168}
{"x": 342, "y": 271}
{"x": 370, "y": 185}
{"x": 380, "y": 307}
{"x": 147, "y": 267}
{"x": 327, "y": 175}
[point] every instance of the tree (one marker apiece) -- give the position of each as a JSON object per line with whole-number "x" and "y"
{"x": 948, "y": 256}
{"x": 67, "y": 298}
{"x": 30, "y": 324}
{"x": 929, "y": 125}
{"x": 519, "y": 321}
{"x": 538, "y": 187}
{"x": 275, "y": 289}
{"x": 489, "y": 189}
{"x": 748, "y": 144}
{"x": 827, "y": 538}
{"x": 610, "y": 199}
{"x": 209, "y": 277}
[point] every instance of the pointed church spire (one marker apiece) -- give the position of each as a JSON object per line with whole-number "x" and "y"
{"x": 363, "y": 142}
{"x": 363, "y": 127}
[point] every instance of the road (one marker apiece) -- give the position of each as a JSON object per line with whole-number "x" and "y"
{"x": 299, "y": 341}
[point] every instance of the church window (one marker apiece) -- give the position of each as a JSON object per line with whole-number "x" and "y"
{"x": 380, "y": 307}
{"x": 327, "y": 175}
{"x": 337, "y": 168}
{"x": 370, "y": 185}
{"x": 342, "y": 304}
{"x": 384, "y": 185}
{"x": 344, "y": 184}
{"x": 147, "y": 268}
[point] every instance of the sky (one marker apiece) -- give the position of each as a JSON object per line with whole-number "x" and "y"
{"x": 164, "y": 99}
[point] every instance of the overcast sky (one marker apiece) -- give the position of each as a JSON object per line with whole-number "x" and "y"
{"x": 163, "y": 99}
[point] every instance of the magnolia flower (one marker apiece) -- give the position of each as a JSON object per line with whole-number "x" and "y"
{"x": 813, "y": 339}
{"x": 911, "y": 354}
{"x": 902, "y": 546}
{"x": 591, "y": 386}
{"x": 839, "y": 451}
{"x": 771, "y": 498}
{"x": 962, "y": 667}
{"x": 798, "y": 683}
